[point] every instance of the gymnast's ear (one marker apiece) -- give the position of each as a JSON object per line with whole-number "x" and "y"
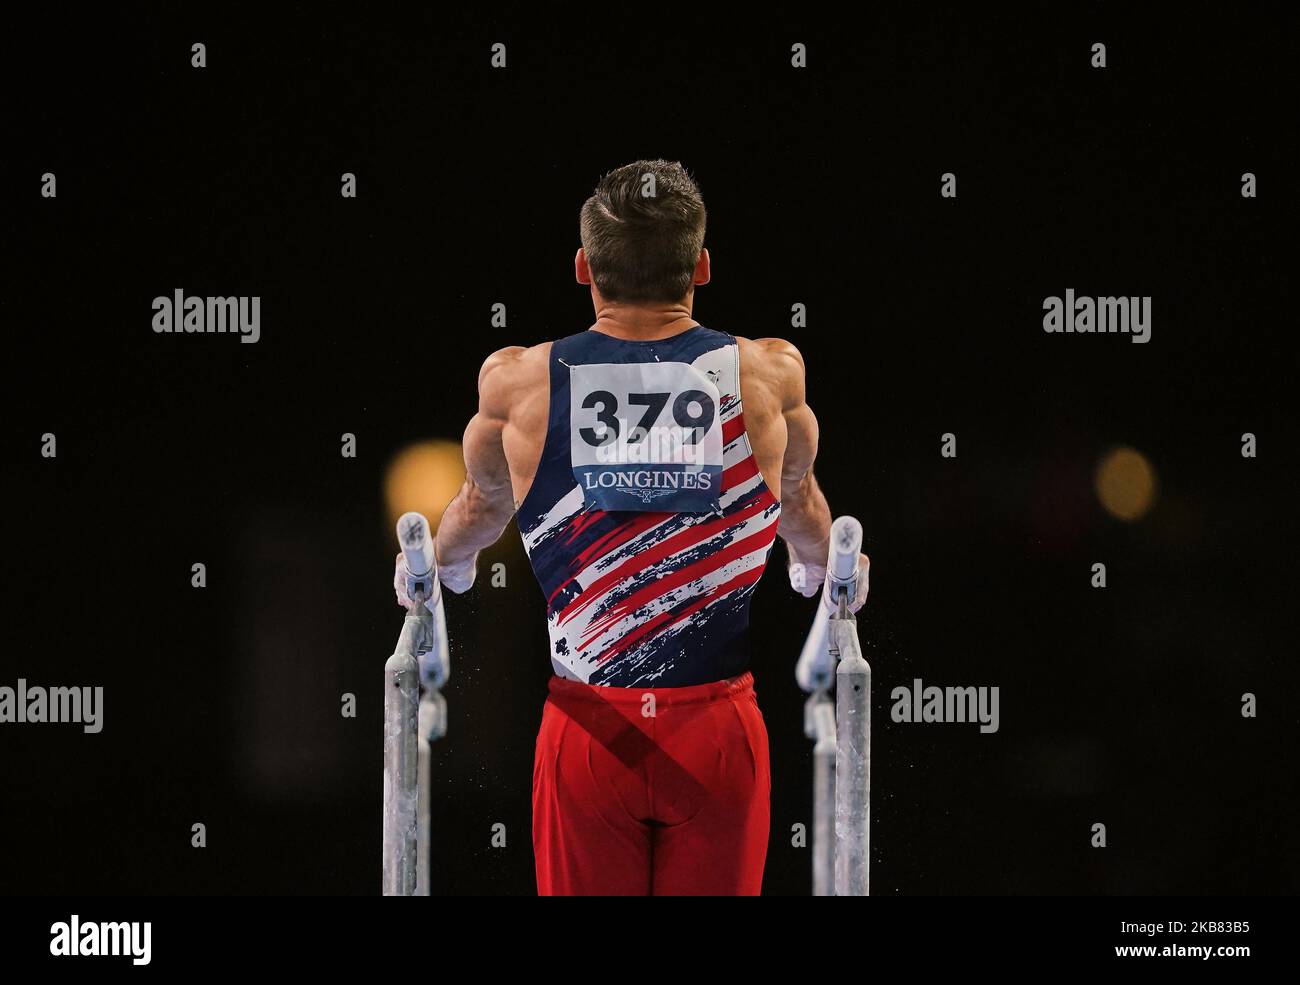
{"x": 702, "y": 271}
{"x": 580, "y": 268}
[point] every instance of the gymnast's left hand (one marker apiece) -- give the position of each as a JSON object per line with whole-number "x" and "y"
{"x": 809, "y": 577}
{"x": 457, "y": 575}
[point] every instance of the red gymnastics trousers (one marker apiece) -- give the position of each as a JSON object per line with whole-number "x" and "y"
{"x": 651, "y": 791}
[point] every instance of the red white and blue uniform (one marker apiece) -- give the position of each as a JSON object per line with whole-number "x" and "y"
{"x": 648, "y": 525}
{"x": 648, "y": 577}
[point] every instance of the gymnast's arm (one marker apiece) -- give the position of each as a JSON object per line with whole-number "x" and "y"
{"x": 805, "y": 523}
{"x": 479, "y": 513}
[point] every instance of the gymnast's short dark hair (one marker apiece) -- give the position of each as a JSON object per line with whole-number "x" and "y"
{"x": 642, "y": 246}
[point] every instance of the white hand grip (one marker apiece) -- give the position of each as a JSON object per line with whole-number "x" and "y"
{"x": 842, "y": 560}
{"x": 417, "y": 545}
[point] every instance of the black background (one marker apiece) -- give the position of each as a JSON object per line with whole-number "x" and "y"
{"x": 222, "y": 706}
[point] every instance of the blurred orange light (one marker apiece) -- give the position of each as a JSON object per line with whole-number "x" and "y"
{"x": 1126, "y": 484}
{"x": 424, "y": 477}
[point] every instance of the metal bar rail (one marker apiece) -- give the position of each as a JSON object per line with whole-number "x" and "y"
{"x": 415, "y": 714}
{"x": 841, "y": 731}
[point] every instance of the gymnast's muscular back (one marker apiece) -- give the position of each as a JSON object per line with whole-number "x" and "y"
{"x": 647, "y": 570}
